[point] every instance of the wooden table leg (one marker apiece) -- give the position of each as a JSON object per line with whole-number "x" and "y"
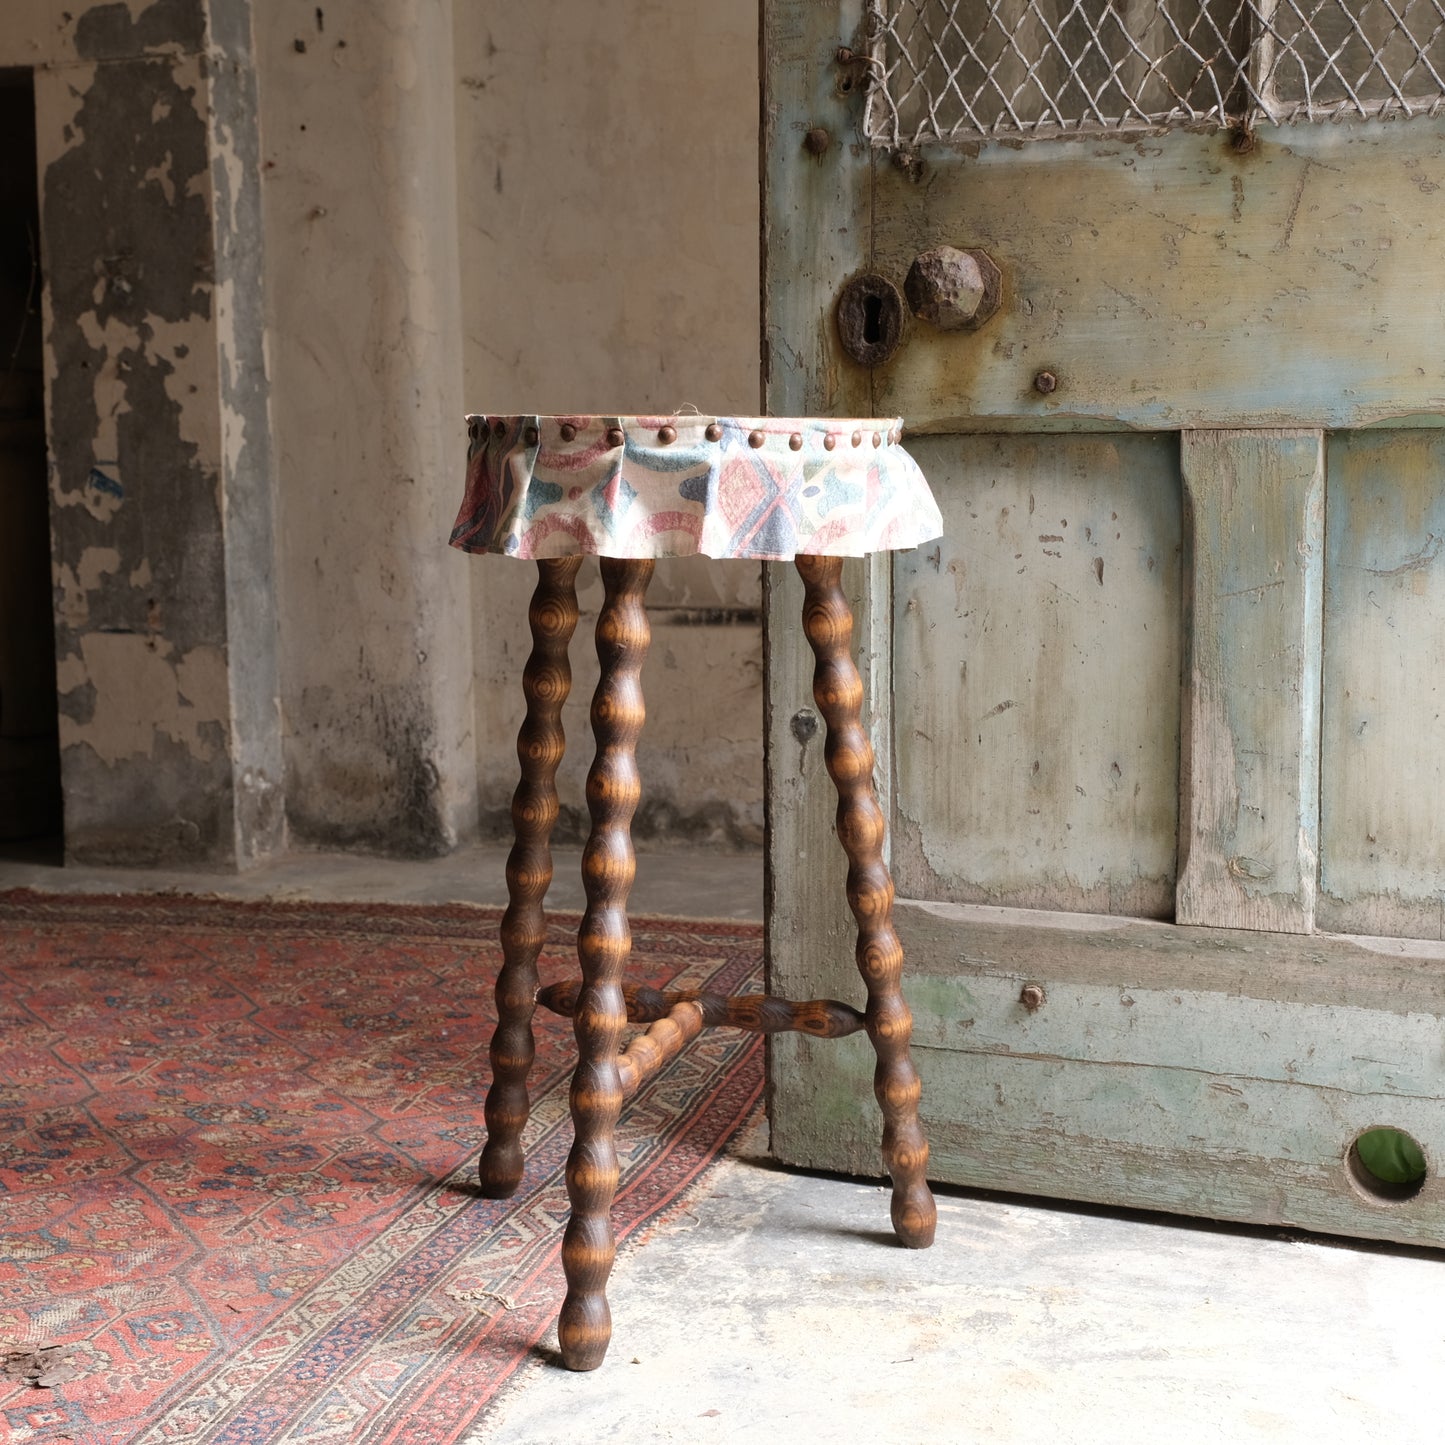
{"x": 838, "y": 692}
{"x": 546, "y": 682}
{"x": 604, "y": 942}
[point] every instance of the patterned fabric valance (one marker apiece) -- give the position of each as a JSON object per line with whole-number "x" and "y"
{"x": 665, "y": 486}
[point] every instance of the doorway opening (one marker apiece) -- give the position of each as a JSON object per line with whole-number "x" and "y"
{"x": 31, "y": 823}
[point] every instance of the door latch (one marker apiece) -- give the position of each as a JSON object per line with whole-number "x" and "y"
{"x": 953, "y": 290}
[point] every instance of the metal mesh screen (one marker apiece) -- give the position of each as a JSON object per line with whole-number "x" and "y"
{"x": 956, "y": 70}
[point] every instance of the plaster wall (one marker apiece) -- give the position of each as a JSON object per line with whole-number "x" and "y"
{"x": 363, "y": 285}
{"x": 397, "y": 210}
{"x": 608, "y": 195}
{"x": 159, "y": 442}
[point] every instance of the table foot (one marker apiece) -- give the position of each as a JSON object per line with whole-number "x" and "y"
{"x": 838, "y": 692}
{"x": 604, "y": 943}
{"x": 540, "y": 744}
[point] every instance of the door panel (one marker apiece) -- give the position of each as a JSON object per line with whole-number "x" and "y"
{"x": 1382, "y": 864}
{"x": 1169, "y": 282}
{"x": 1200, "y": 1071}
{"x": 1249, "y": 844}
{"x": 1217, "y": 321}
{"x": 1193, "y": 1070}
{"x": 1039, "y": 643}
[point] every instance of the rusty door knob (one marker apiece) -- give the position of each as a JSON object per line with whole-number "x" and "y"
{"x": 953, "y": 290}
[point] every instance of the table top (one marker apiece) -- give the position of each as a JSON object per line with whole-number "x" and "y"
{"x": 767, "y": 488}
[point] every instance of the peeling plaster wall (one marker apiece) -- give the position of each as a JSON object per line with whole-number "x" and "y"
{"x": 608, "y": 182}
{"x": 604, "y": 256}
{"x": 159, "y": 441}
{"x": 363, "y": 281}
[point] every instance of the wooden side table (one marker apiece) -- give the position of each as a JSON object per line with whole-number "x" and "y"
{"x": 629, "y": 490}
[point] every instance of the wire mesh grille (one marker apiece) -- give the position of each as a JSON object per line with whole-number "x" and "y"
{"x": 956, "y": 70}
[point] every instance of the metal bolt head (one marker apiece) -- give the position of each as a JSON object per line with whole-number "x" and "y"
{"x": 817, "y": 141}
{"x": 1032, "y": 996}
{"x": 1046, "y": 383}
{"x": 953, "y": 290}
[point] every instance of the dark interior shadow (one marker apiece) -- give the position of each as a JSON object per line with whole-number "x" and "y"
{"x": 46, "y": 852}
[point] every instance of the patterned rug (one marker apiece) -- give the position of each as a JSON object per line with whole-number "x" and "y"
{"x": 237, "y": 1165}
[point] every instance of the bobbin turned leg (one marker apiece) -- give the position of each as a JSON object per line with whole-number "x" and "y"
{"x": 838, "y": 692}
{"x": 546, "y": 682}
{"x": 604, "y": 942}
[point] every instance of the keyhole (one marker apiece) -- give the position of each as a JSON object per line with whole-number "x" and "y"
{"x": 872, "y": 319}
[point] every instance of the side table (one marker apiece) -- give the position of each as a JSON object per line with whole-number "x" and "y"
{"x": 553, "y": 489}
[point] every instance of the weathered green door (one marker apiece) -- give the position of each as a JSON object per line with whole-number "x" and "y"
{"x": 1161, "y": 720}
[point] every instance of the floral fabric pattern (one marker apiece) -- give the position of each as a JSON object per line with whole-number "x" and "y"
{"x": 763, "y": 488}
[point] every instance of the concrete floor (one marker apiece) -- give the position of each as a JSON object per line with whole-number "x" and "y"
{"x": 775, "y": 1306}
{"x": 676, "y": 882}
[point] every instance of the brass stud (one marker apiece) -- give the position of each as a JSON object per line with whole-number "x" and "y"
{"x": 499, "y": 428}
{"x": 713, "y": 433}
{"x": 878, "y": 439}
{"x": 533, "y": 436}
{"x": 615, "y": 436}
{"x": 667, "y": 435}
{"x": 569, "y": 432}
{"x": 857, "y": 439}
{"x": 829, "y": 442}
{"x": 756, "y": 438}
{"x": 796, "y": 441}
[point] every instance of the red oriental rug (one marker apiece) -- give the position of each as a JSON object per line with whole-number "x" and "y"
{"x": 237, "y": 1165}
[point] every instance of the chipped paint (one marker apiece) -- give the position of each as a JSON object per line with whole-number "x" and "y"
{"x": 139, "y": 687}
{"x": 167, "y": 676}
